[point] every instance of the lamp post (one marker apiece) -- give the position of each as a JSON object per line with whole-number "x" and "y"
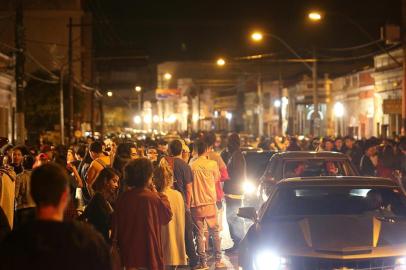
{"x": 259, "y": 36}
{"x": 339, "y": 113}
{"x": 138, "y": 90}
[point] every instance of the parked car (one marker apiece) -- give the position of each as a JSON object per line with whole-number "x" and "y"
{"x": 303, "y": 163}
{"x": 327, "y": 223}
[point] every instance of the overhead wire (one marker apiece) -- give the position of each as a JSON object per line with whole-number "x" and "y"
{"x": 352, "y": 48}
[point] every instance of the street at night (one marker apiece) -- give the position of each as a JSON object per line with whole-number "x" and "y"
{"x": 197, "y": 135}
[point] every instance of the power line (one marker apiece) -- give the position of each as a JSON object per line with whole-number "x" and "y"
{"x": 41, "y": 65}
{"x": 357, "y": 47}
{"x": 41, "y": 79}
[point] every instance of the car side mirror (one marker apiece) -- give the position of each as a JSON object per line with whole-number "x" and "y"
{"x": 248, "y": 213}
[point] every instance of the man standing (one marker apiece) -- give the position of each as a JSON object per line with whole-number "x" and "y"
{"x": 183, "y": 178}
{"x": 210, "y": 139}
{"x": 48, "y": 242}
{"x": 203, "y": 204}
{"x": 352, "y": 151}
{"x": 236, "y": 168}
{"x": 100, "y": 161}
{"x": 369, "y": 160}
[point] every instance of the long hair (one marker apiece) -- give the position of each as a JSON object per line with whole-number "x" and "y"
{"x": 104, "y": 176}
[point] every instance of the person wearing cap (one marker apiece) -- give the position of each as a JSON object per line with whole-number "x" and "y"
{"x": 369, "y": 160}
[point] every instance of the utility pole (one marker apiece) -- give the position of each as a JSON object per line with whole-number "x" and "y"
{"x": 314, "y": 127}
{"x": 70, "y": 75}
{"x": 61, "y": 105}
{"x": 92, "y": 111}
{"x": 19, "y": 72}
{"x": 280, "y": 120}
{"x": 404, "y": 67}
{"x": 260, "y": 106}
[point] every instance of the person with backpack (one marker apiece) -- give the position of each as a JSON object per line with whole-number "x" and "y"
{"x": 100, "y": 161}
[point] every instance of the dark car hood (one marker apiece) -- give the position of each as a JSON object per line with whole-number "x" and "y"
{"x": 338, "y": 235}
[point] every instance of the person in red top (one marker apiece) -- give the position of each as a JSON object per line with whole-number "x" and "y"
{"x": 139, "y": 215}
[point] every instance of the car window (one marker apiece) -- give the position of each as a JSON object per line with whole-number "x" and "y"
{"x": 256, "y": 164}
{"x": 317, "y": 167}
{"x": 377, "y": 201}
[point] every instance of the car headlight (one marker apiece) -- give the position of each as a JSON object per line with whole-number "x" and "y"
{"x": 248, "y": 187}
{"x": 400, "y": 263}
{"x": 268, "y": 260}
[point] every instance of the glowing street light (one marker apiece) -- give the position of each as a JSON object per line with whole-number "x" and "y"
{"x": 221, "y": 62}
{"x": 315, "y": 16}
{"x": 109, "y": 94}
{"x": 137, "y": 119}
{"x": 257, "y": 36}
{"x": 155, "y": 119}
{"x": 229, "y": 116}
{"x": 138, "y": 88}
{"x": 338, "y": 109}
{"x": 147, "y": 119}
{"x": 277, "y": 103}
{"x": 167, "y": 76}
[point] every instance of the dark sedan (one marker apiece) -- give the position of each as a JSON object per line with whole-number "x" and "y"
{"x": 327, "y": 223}
{"x": 301, "y": 164}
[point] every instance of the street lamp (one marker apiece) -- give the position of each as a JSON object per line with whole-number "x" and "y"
{"x": 257, "y": 36}
{"x": 137, "y": 119}
{"x": 167, "y": 76}
{"x": 277, "y": 103}
{"x": 221, "y": 62}
{"x": 138, "y": 88}
{"x": 314, "y": 16}
{"x": 109, "y": 94}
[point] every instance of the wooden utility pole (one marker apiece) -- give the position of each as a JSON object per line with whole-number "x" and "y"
{"x": 19, "y": 72}
{"x": 404, "y": 67}
{"x": 70, "y": 79}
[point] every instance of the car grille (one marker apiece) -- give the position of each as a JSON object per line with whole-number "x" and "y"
{"x": 301, "y": 263}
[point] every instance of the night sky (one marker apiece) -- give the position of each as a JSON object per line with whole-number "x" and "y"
{"x": 203, "y": 30}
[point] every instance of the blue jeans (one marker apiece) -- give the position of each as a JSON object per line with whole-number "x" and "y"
{"x": 235, "y": 223}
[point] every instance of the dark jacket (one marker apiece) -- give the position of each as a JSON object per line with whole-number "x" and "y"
{"x": 236, "y": 167}
{"x": 367, "y": 168}
{"x": 55, "y": 245}
{"x": 98, "y": 213}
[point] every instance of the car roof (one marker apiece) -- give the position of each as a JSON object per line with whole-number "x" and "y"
{"x": 310, "y": 154}
{"x": 258, "y": 151}
{"x": 337, "y": 181}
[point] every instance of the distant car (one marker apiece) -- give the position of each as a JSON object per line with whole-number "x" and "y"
{"x": 256, "y": 162}
{"x": 327, "y": 223}
{"x": 303, "y": 163}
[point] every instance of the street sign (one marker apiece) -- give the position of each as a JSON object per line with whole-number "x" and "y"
{"x": 392, "y": 106}
{"x": 163, "y": 94}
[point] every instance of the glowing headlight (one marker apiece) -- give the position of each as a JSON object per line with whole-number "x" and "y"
{"x": 248, "y": 187}
{"x": 269, "y": 261}
{"x": 400, "y": 263}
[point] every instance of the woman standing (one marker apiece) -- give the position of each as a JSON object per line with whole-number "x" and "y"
{"x": 173, "y": 236}
{"x": 139, "y": 215}
{"x": 99, "y": 210}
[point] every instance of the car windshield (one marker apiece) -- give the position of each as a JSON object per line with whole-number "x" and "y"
{"x": 317, "y": 167}
{"x": 332, "y": 200}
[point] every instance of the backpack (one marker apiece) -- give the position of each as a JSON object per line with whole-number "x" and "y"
{"x": 87, "y": 191}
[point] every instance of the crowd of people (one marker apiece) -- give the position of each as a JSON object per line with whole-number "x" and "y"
{"x": 147, "y": 204}
{"x": 135, "y": 205}
{"x": 381, "y": 157}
